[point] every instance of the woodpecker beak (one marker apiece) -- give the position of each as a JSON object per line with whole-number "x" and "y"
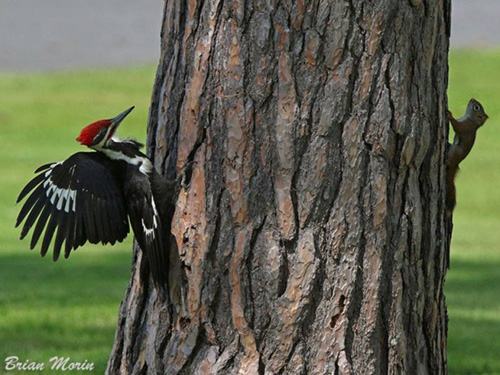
{"x": 115, "y": 121}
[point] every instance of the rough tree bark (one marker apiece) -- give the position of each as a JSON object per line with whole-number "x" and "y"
{"x": 311, "y": 229}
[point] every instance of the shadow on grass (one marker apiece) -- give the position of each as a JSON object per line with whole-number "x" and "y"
{"x": 68, "y": 308}
{"x": 473, "y": 298}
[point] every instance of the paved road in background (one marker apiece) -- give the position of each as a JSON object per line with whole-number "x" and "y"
{"x": 68, "y": 34}
{"x": 475, "y": 23}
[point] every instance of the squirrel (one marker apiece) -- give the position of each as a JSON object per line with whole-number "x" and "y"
{"x": 465, "y": 134}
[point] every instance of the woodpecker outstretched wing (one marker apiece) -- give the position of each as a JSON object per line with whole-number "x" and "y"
{"x": 146, "y": 222}
{"x": 81, "y": 197}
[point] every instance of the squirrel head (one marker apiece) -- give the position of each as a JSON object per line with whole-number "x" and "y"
{"x": 476, "y": 112}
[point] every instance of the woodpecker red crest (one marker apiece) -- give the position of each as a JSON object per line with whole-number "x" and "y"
{"x": 92, "y": 196}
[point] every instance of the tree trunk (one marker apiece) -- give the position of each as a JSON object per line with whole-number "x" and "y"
{"x": 311, "y": 230}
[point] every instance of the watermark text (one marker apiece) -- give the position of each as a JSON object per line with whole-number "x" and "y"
{"x": 55, "y": 363}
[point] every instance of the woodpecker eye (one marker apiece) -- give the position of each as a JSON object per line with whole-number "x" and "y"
{"x": 99, "y": 136}
{"x": 476, "y": 107}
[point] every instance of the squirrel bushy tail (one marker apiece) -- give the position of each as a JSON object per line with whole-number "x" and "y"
{"x": 451, "y": 194}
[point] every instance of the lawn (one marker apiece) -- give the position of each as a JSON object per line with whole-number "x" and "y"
{"x": 69, "y": 308}
{"x": 473, "y": 282}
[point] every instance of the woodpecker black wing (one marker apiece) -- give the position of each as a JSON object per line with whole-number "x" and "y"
{"x": 81, "y": 197}
{"x": 146, "y": 222}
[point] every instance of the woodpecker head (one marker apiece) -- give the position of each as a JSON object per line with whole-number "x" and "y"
{"x": 97, "y": 134}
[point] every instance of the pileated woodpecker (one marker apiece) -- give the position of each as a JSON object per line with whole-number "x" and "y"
{"x": 91, "y": 195}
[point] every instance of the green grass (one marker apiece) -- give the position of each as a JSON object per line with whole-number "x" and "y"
{"x": 473, "y": 282}
{"x": 68, "y": 308}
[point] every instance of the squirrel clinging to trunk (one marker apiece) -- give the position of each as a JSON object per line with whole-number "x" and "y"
{"x": 465, "y": 134}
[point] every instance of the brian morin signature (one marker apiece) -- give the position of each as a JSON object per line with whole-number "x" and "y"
{"x": 56, "y": 363}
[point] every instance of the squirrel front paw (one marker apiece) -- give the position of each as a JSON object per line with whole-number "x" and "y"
{"x": 449, "y": 115}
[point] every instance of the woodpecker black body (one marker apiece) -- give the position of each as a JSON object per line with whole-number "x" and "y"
{"x": 91, "y": 196}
